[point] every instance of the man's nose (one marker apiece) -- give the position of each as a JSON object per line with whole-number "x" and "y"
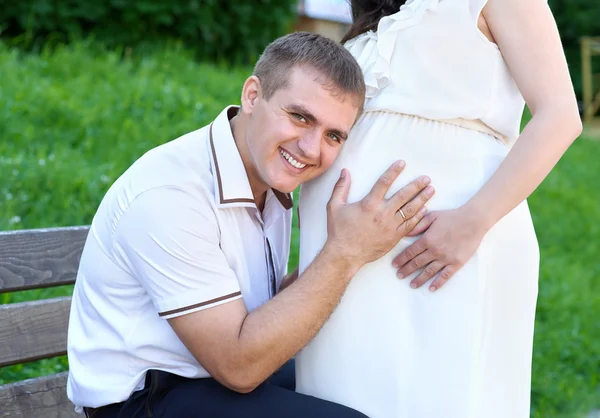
{"x": 310, "y": 145}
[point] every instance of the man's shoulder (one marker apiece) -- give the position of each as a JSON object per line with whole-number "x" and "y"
{"x": 183, "y": 163}
{"x": 188, "y": 155}
{"x": 180, "y": 167}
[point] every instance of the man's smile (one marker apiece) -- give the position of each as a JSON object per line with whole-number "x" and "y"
{"x": 292, "y": 161}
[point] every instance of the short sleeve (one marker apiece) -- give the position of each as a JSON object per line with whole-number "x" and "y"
{"x": 476, "y": 7}
{"x": 168, "y": 239}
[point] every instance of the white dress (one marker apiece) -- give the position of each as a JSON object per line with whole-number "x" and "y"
{"x": 440, "y": 97}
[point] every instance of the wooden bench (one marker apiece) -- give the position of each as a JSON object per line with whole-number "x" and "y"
{"x": 29, "y": 331}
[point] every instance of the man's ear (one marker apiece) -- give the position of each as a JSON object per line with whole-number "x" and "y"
{"x": 251, "y": 92}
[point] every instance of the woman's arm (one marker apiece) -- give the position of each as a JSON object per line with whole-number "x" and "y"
{"x": 527, "y": 35}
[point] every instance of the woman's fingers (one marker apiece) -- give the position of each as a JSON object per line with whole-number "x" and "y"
{"x": 443, "y": 277}
{"x": 420, "y": 261}
{"x": 409, "y": 253}
{"x": 427, "y": 274}
{"x": 423, "y": 225}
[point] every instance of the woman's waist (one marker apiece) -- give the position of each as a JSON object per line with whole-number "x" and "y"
{"x": 468, "y": 124}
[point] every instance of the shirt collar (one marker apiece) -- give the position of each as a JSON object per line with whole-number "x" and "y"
{"x": 231, "y": 180}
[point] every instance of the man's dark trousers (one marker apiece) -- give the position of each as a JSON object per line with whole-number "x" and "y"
{"x": 166, "y": 395}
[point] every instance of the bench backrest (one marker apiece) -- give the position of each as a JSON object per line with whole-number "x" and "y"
{"x": 37, "y": 330}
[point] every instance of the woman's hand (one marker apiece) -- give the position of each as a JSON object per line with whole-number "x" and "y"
{"x": 451, "y": 238}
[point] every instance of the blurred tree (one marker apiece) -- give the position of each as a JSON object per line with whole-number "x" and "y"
{"x": 218, "y": 29}
{"x": 235, "y": 31}
{"x": 576, "y": 18}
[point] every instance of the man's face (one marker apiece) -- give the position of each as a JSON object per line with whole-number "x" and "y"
{"x": 297, "y": 134}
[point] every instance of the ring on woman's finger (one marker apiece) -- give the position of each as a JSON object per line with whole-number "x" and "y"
{"x": 402, "y": 214}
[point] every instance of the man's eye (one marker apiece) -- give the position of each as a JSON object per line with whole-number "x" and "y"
{"x": 335, "y": 137}
{"x": 299, "y": 117}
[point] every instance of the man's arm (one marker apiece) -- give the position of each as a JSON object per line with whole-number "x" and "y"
{"x": 241, "y": 349}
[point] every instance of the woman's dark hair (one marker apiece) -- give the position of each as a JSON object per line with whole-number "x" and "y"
{"x": 366, "y": 15}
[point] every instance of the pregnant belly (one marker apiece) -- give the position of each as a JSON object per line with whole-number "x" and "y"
{"x": 458, "y": 160}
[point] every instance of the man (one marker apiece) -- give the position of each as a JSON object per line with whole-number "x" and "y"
{"x": 179, "y": 308}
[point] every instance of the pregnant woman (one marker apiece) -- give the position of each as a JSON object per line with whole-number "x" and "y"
{"x": 446, "y": 85}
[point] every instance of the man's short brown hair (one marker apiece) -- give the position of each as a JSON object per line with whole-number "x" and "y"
{"x": 340, "y": 71}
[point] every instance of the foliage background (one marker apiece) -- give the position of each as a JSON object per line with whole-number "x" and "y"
{"x": 576, "y": 18}
{"x": 230, "y": 31}
{"x": 235, "y": 31}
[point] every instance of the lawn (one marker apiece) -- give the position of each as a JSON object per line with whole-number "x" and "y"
{"x": 73, "y": 118}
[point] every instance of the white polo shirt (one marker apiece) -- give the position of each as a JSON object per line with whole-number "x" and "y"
{"x": 178, "y": 232}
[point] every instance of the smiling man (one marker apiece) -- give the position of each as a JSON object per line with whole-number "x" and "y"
{"x": 179, "y": 309}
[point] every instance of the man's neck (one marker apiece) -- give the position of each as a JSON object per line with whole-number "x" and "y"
{"x": 259, "y": 189}
{"x": 260, "y": 201}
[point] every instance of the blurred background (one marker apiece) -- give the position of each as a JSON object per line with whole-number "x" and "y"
{"x": 86, "y": 87}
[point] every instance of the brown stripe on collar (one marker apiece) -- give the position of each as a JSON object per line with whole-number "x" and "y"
{"x": 284, "y": 198}
{"x": 221, "y": 199}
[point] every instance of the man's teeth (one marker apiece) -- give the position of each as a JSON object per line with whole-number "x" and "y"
{"x": 291, "y": 160}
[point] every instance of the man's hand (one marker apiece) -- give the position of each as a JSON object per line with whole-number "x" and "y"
{"x": 364, "y": 231}
{"x": 449, "y": 241}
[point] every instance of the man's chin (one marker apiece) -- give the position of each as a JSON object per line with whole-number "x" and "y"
{"x": 286, "y": 187}
{"x": 287, "y": 184}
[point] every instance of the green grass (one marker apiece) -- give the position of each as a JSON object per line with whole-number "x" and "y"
{"x": 566, "y": 211}
{"x": 73, "y": 118}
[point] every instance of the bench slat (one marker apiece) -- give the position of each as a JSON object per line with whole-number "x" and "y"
{"x": 44, "y": 397}
{"x": 33, "y": 330}
{"x": 39, "y": 258}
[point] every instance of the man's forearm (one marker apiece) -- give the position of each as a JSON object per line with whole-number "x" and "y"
{"x": 276, "y": 331}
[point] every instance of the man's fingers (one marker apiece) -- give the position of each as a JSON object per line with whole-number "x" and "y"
{"x": 408, "y": 192}
{"x": 419, "y": 262}
{"x": 412, "y": 207}
{"x": 411, "y": 251}
{"x": 443, "y": 277}
{"x": 383, "y": 184}
{"x": 341, "y": 189}
{"x": 423, "y": 225}
{"x": 405, "y": 226}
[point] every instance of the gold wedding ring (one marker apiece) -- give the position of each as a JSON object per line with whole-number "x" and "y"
{"x": 403, "y": 215}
